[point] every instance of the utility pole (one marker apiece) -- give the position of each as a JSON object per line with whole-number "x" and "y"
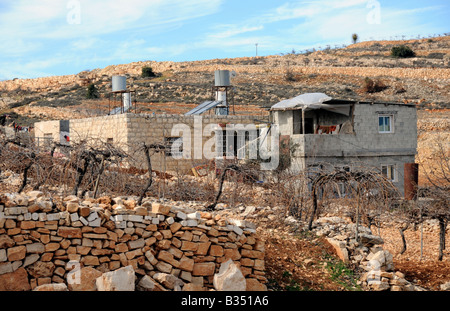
{"x": 256, "y": 44}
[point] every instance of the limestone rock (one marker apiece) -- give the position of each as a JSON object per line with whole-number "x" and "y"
{"x": 15, "y": 281}
{"x": 340, "y": 248}
{"x": 169, "y": 281}
{"x": 147, "y": 284}
{"x": 191, "y": 287}
{"x": 56, "y": 287}
{"x": 41, "y": 269}
{"x": 83, "y": 279}
{"x": 255, "y": 285}
{"x": 17, "y": 253}
{"x": 119, "y": 280}
{"x": 6, "y": 241}
{"x": 369, "y": 239}
{"x": 229, "y": 278}
{"x": 446, "y": 286}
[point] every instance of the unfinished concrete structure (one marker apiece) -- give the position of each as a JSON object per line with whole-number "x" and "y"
{"x": 347, "y": 134}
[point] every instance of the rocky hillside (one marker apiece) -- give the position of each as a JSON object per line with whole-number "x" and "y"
{"x": 260, "y": 82}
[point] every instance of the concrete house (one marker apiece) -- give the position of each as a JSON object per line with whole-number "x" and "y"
{"x": 46, "y": 132}
{"x": 348, "y": 134}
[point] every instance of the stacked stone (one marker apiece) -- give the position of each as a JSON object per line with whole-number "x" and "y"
{"x": 367, "y": 253}
{"x": 41, "y": 241}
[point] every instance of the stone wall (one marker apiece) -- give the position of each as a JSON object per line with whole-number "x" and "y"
{"x": 129, "y": 131}
{"x": 376, "y": 265}
{"x": 42, "y": 239}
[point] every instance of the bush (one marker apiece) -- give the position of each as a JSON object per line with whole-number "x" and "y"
{"x": 402, "y": 51}
{"x": 371, "y": 86}
{"x": 147, "y": 72}
{"x": 92, "y": 92}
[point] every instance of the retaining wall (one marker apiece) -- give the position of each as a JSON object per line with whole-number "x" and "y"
{"x": 42, "y": 239}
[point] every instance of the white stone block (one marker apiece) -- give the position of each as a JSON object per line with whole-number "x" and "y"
{"x": 42, "y": 216}
{"x": 170, "y": 220}
{"x": 181, "y": 215}
{"x": 155, "y": 221}
{"x": 84, "y": 221}
{"x": 136, "y": 218}
{"x": 35, "y": 216}
{"x": 195, "y": 215}
{"x": 119, "y": 280}
{"x": 95, "y": 223}
{"x": 237, "y": 230}
{"x": 92, "y": 216}
{"x": 74, "y": 217}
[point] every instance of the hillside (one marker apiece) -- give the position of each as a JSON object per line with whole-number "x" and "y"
{"x": 260, "y": 82}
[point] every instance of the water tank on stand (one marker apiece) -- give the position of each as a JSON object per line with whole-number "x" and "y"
{"x": 119, "y": 83}
{"x": 222, "y": 78}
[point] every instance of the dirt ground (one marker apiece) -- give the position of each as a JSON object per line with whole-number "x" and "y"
{"x": 425, "y": 271}
{"x": 302, "y": 263}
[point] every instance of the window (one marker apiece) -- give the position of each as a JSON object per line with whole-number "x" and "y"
{"x": 174, "y": 147}
{"x": 388, "y": 171}
{"x": 385, "y": 123}
{"x": 298, "y": 126}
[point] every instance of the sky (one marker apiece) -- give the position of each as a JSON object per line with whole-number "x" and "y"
{"x": 62, "y": 37}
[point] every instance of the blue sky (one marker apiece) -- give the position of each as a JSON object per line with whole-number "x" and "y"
{"x": 59, "y": 37}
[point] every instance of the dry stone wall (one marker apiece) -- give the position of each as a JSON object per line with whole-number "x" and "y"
{"x": 375, "y": 264}
{"x": 43, "y": 240}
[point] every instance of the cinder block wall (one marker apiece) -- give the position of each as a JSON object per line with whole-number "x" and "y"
{"x": 153, "y": 129}
{"x": 100, "y": 129}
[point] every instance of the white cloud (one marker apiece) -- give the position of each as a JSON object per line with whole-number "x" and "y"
{"x": 233, "y": 30}
{"x": 50, "y": 19}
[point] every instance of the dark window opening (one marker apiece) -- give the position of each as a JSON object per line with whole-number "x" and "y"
{"x": 297, "y": 124}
